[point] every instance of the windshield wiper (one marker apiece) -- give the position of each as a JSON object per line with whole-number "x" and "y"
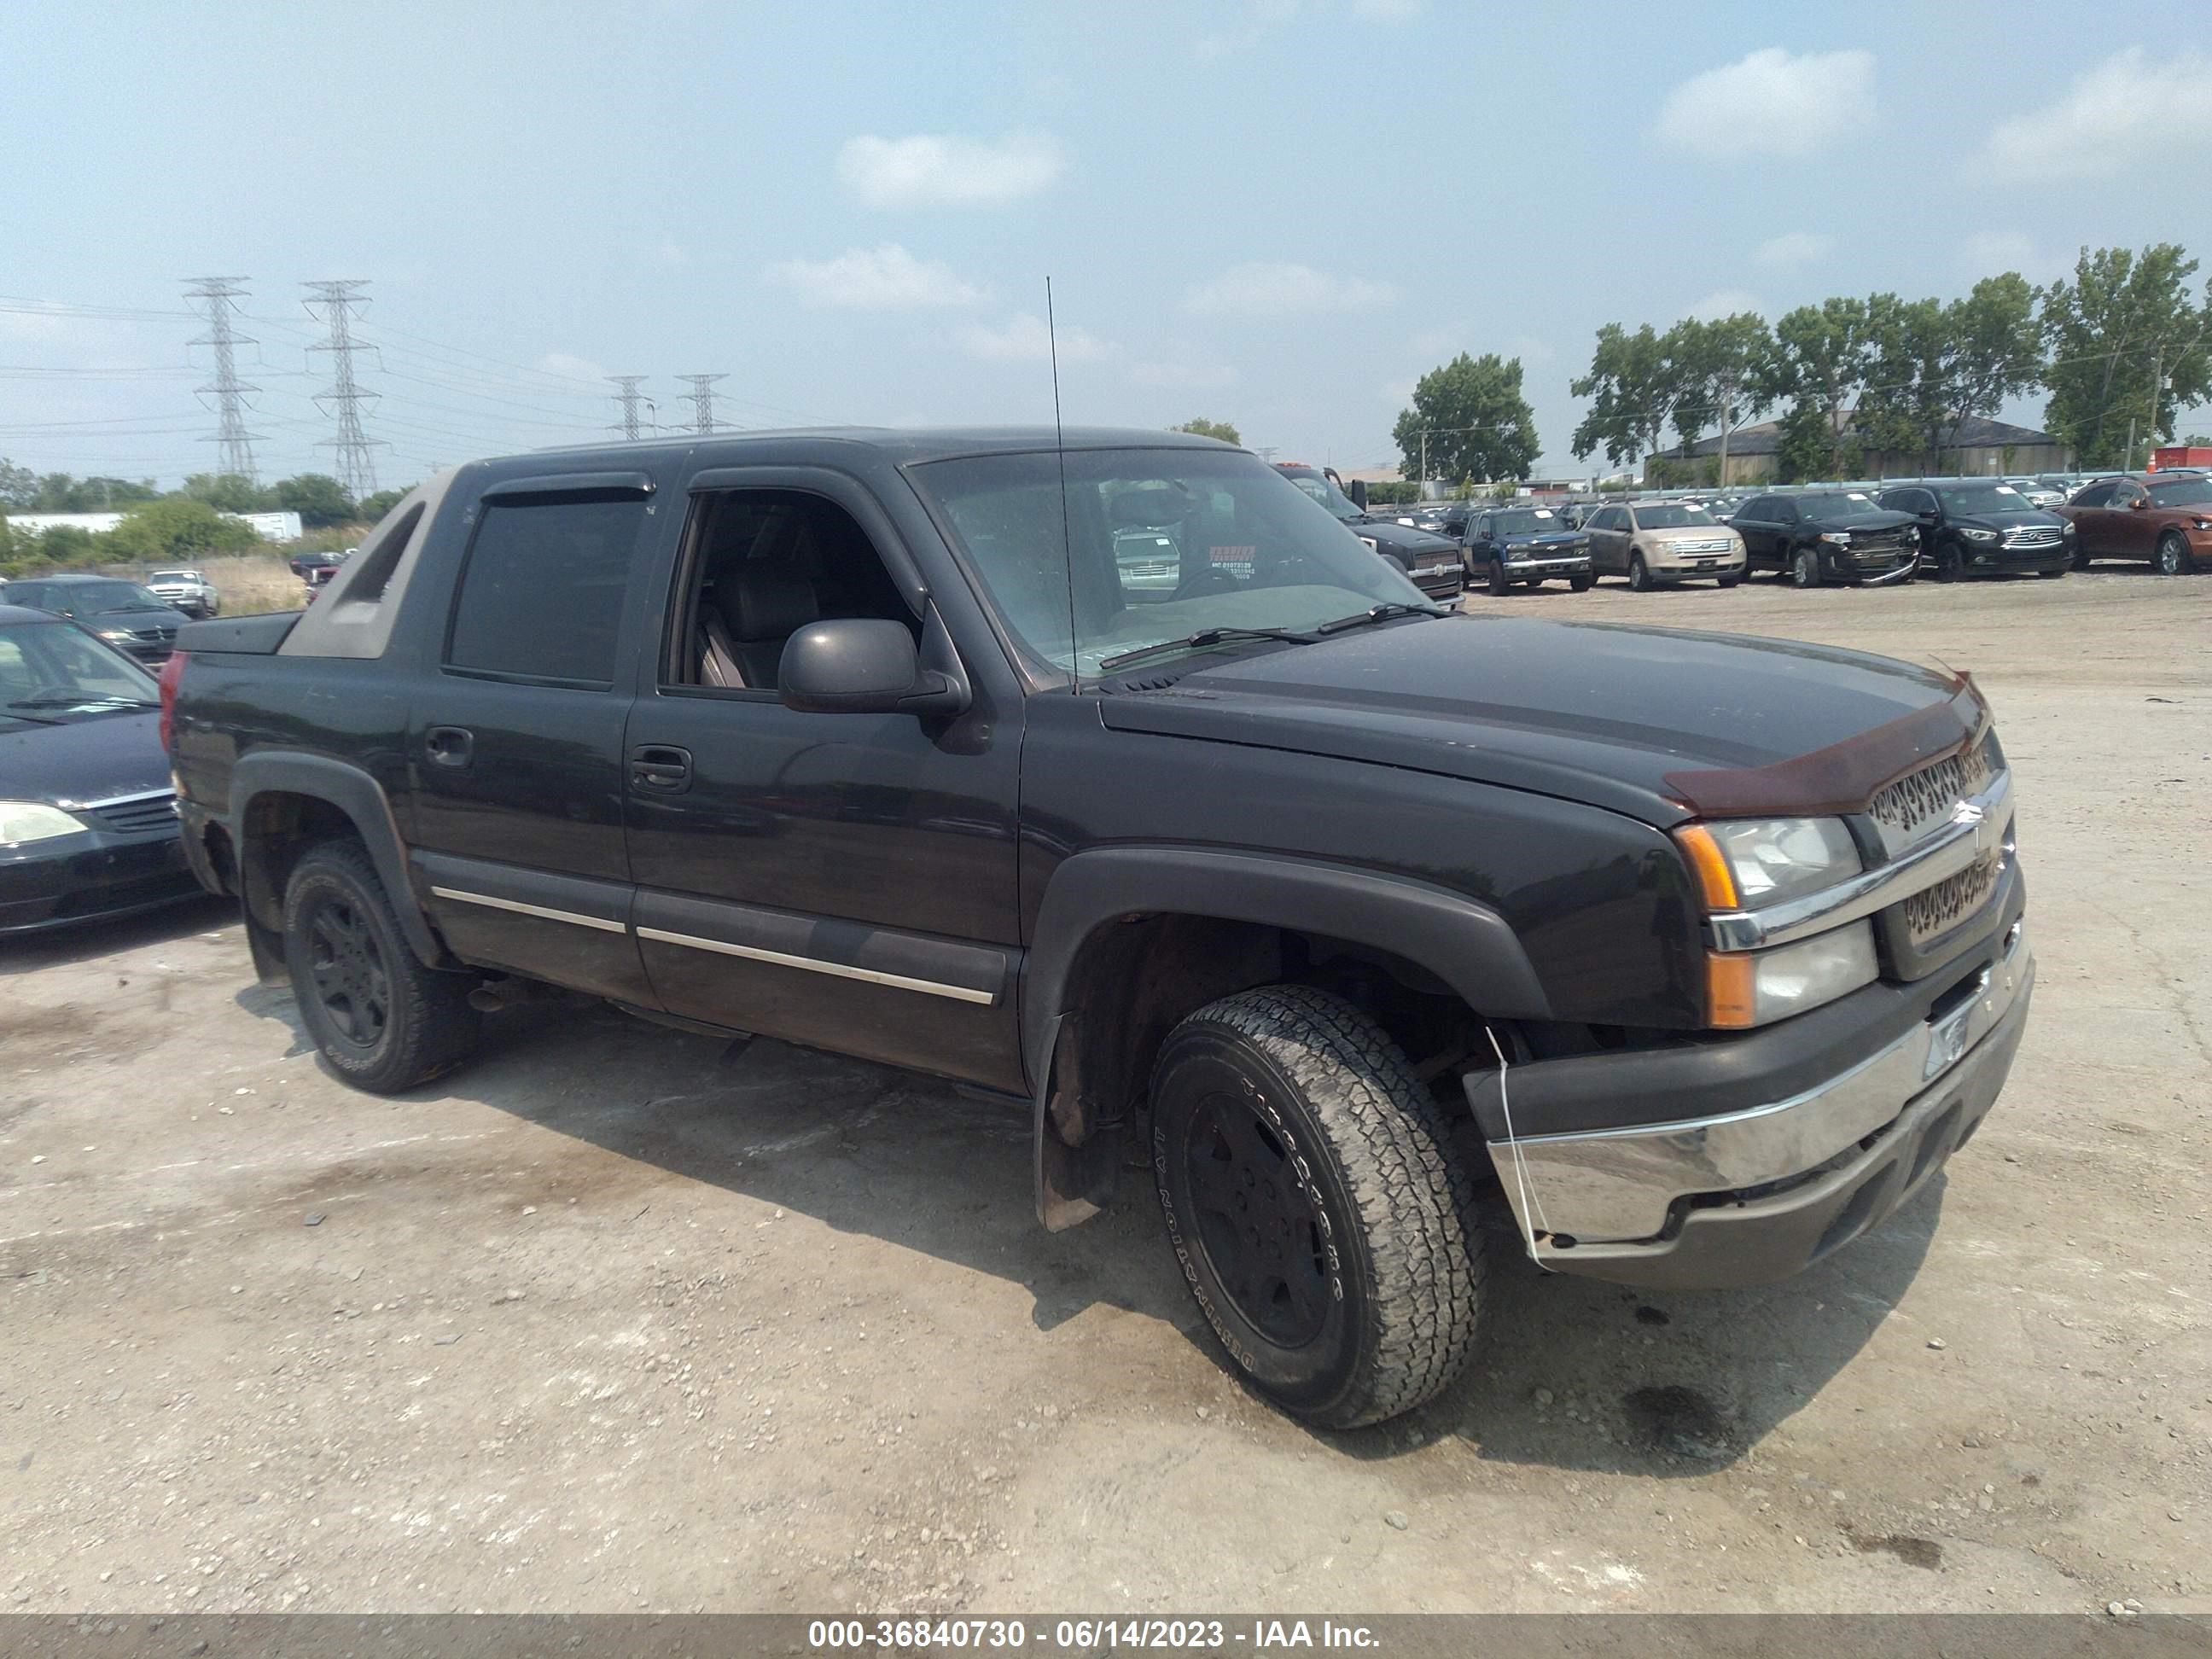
{"x": 1389, "y": 610}
{"x": 1206, "y": 636}
{"x": 84, "y": 702}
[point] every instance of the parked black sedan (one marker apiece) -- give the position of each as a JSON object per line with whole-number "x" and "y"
{"x": 1971, "y": 527}
{"x": 128, "y": 617}
{"x": 1817, "y": 536}
{"x": 88, "y": 817}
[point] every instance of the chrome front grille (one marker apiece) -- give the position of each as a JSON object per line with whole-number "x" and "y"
{"x": 2032, "y": 535}
{"x": 134, "y": 815}
{"x": 1924, "y": 801}
{"x": 1934, "y": 911}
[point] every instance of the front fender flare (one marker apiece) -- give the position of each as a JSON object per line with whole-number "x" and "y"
{"x": 1463, "y": 942}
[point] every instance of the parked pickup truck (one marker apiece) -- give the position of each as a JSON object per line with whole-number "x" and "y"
{"x": 190, "y": 591}
{"x": 1525, "y": 547}
{"x": 1347, "y": 917}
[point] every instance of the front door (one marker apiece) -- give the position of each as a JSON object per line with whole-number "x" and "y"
{"x": 846, "y": 881}
{"x": 515, "y": 741}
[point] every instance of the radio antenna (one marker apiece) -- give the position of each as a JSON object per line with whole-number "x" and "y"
{"x": 1060, "y": 450}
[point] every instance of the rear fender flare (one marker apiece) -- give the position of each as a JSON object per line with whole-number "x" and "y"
{"x": 357, "y": 794}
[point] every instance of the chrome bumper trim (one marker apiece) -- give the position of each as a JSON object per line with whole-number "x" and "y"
{"x": 1979, "y": 826}
{"x": 1603, "y": 1186}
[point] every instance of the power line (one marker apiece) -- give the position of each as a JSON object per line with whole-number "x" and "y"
{"x": 233, "y": 443}
{"x": 629, "y": 396}
{"x": 351, "y": 448}
{"x": 702, "y": 401}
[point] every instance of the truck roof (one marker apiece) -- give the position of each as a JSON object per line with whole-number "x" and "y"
{"x": 905, "y": 445}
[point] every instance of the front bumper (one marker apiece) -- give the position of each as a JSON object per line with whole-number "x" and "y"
{"x": 1758, "y": 1194}
{"x": 1439, "y": 581}
{"x": 1563, "y": 564}
{"x": 91, "y": 877}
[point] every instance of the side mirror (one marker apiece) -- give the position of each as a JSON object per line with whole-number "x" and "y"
{"x": 1357, "y": 489}
{"x": 862, "y": 665}
{"x": 2139, "y": 503}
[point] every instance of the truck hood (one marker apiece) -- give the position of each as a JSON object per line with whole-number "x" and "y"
{"x": 1551, "y": 541}
{"x": 1403, "y": 538}
{"x": 1659, "y": 723}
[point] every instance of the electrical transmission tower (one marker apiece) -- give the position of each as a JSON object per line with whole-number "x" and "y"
{"x": 234, "y": 444}
{"x": 702, "y": 401}
{"x": 629, "y": 398}
{"x": 356, "y": 465}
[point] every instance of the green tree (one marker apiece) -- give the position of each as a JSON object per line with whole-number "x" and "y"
{"x": 19, "y": 485}
{"x": 1807, "y": 451}
{"x": 1906, "y": 406}
{"x": 1476, "y": 423}
{"x": 1206, "y": 428}
{"x": 173, "y": 529}
{"x": 373, "y": 508}
{"x": 1821, "y": 356}
{"x": 1399, "y": 493}
{"x": 1629, "y": 386}
{"x": 2128, "y": 345}
{"x": 227, "y": 492}
{"x": 318, "y": 498}
{"x": 1997, "y": 345}
{"x": 1718, "y": 374}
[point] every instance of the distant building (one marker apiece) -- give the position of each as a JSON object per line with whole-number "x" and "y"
{"x": 270, "y": 526}
{"x": 1980, "y": 447}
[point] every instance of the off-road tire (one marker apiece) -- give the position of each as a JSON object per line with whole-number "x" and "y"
{"x": 427, "y": 1027}
{"x": 1639, "y": 574}
{"x": 1389, "y": 1238}
{"x": 2171, "y": 557}
{"x": 1804, "y": 571}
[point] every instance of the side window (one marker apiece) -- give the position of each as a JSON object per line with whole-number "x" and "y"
{"x": 1784, "y": 511}
{"x": 541, "y": 595}
{"x": 2127, "y": 493}
{"x": 2097, "y": 495}
{"x": 762, "y": 564}
{"x": 1755, "y": 510}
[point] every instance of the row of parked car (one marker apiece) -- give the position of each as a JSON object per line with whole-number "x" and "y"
{"x": 1945, "y": 528}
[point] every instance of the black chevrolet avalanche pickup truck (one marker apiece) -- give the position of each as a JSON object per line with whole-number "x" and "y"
{"x": 1347, "y": 917}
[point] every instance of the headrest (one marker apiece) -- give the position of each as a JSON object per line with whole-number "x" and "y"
{"x": 1144, "y": 508}
{"x": 764, "y": 601}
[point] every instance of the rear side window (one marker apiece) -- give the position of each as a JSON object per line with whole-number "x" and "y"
{"x": 541, "y": 597}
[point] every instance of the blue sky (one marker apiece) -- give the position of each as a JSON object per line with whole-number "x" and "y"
{"x": 1278, "y": 213}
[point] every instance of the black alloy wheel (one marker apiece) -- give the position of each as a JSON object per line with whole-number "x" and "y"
{"x": 348, "y": 975}
{"x": 1261, "y": 1227}
{"x": 1950, "y": 563}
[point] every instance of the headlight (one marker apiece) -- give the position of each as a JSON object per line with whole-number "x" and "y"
{"x": 115, "y": 633}
{"x": 1368, "y": 542}
{"x": 1974, "y": 535}
{"x": 1744, "y": 863}
{"x": 1758, "y": 988}
{"x": 30, "y": 820}
{"x": 2067, "y": 534}
{"x": 2201, "y": 524}
{"x": 1836, "y": 537}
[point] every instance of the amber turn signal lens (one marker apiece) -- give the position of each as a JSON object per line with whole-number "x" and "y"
{"x": 1731, "y": 1000}
{"x": 1714, "y": 879}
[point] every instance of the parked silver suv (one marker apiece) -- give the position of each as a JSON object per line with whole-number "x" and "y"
{"x": 190, "y": 591}
{"x": 1656, "y": 543}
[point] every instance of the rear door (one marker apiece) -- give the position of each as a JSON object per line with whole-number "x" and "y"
{"x": 1756, "y": 524}
{"x": 515, "y": 737}
{"x": 1609, "y": 541}
{"x": 2129, "y": 527}
{"x": 2092, "y": 512}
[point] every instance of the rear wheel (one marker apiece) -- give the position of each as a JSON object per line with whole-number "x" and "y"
{"x": 1805, "y": 568}
{"x": 1320, "y": 1217}
{"x": 2172, "y": 557}
{"x": 383, "y": 1020}
{"x": 1639, "y": 574}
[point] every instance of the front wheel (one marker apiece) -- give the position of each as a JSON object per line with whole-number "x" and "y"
{"x": 1321, "y": 1220}
{"x": 1500, "y": 584}
{"x": 2172, "y": 557}
{"x": 1728, "y": 582}
{"x": 1639, "y": 574}
{"x": 1583, "y": 581}
{"x": 383, "y": 1020}
{"x": 1805, "y": 568}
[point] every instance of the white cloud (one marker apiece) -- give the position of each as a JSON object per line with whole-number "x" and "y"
{"x": 574, "y": 368}
{"x": 947, "y": 170}
{"x": 1792, "y": 249}
{"x": 1988, "y": 252}
{"x": 886, "y": 277}
{"x": 1770, "y": 102}
{"x": 1183, "y": 376}
{"x": 2128, "y": 111}
{"x": 1024, "y": 339}
{"x": 672, "y": 253}
{"x": 1275, "y": 290}
{"x": 1723, "y": 302}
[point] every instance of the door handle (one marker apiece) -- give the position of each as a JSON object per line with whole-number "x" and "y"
{"x": 660, "y": 767}
{"x": 450, "y": 745}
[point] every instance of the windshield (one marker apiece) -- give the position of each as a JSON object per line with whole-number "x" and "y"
{"x": 1982, "y": 498}
{"x": 117, "y": 596}
{"x": 1317, "y": 485}
{"x": 1250, "y": 548}
{"x": 1670, "y": 517}
{"x": 1843, "y": 507}
{"x": 54, "y": 667}
{"x": 1539, "y": 522}
{"x": 2181, "y": 492}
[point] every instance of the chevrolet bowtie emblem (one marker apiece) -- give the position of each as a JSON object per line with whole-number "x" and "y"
{"x": 1968, "y": 812}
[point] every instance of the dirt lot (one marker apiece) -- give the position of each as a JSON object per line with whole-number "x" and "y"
{"x": 610, "y": 1321}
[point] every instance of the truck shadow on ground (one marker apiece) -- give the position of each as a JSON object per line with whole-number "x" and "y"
{"x": 1569, "y": 1373}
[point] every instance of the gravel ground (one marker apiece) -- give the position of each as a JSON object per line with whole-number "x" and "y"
{"x": 612, "y": 1320}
